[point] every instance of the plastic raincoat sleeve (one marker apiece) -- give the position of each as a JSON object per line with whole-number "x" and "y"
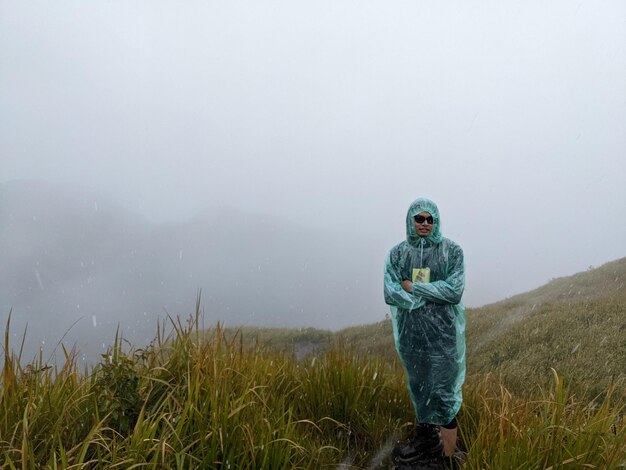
{"x": 448, "y": 290}
{"x": 395, "y": 295}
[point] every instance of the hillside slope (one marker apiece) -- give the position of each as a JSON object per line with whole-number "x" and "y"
{"x": 575, "y": 324}
{"x": 491, "y": 321}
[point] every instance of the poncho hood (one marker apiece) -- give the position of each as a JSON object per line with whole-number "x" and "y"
{"x": 423, "y": 205}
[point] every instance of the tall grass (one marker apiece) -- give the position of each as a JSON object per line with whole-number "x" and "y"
{"x": 197, "y": 399}
{"x": 552, "y": 430}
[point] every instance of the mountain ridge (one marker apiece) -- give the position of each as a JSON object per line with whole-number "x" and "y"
{"x": 70, "y": 254}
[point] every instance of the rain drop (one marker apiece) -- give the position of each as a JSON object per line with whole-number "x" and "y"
{"x": 38, "y": 276}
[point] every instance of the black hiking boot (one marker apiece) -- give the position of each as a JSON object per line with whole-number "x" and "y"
{"x": 421, "y": 465}
{"x": 422, "y": 450}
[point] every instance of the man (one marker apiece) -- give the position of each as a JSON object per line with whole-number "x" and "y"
{"x": 424, "y": 282}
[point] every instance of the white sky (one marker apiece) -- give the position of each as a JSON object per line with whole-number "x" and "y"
{"x": 511, "y": 115}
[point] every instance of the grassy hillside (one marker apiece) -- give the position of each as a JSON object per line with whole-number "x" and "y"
{"x": 191, "y": 401}
{"x": 575, "y": 324}
{"x": 607, "y": 282}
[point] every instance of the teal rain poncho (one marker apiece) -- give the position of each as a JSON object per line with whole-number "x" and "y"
{"x": 429, "y": 323}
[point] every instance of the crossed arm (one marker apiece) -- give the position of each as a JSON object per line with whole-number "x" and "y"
{"x": 403, "y": 293}
{"x": 444, "y": 291}
{"x": 395, "y": 293}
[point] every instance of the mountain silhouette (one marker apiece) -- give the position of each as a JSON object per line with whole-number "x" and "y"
{"x": 72, "y": 254}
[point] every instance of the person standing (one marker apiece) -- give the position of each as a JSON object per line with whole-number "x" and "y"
{"x": 423, "y": 284}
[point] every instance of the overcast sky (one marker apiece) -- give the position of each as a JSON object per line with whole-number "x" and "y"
{"x": 511, "y": 115}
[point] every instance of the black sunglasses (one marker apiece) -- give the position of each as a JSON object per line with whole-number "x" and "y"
{"x": 420, "y": 219}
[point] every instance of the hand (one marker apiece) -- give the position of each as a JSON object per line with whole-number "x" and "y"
{"x": 407, "y": 285}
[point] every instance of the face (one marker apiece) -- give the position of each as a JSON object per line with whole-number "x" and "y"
{"x": 423, "y": 228}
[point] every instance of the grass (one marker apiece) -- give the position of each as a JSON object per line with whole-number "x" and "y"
{"x": 310, "y": 399}
{"x": 586, "y": 340}
{"x": 574, "y": 324}
{"x": 197, "y": 399}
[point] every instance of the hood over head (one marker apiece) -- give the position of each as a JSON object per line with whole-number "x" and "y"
{"x": 423, "y": 205}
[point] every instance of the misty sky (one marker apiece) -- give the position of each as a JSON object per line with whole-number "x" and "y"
{"x": 511, "y": 115}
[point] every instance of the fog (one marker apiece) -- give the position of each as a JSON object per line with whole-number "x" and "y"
{"x": 266, "y": 153}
